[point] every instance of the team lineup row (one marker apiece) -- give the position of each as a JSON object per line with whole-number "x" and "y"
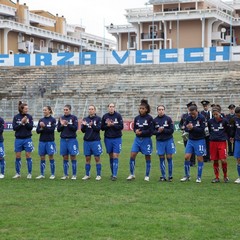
{"x": 216, "y": 129}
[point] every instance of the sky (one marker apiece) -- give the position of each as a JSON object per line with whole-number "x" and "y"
{"x": 92, "y": 14}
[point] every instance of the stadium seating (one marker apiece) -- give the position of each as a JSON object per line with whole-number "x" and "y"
{"x": 170, "y": 84}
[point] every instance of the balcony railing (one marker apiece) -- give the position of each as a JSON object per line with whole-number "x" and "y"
{"x": 153, "y": 35}
{"x": 6, "y": 10}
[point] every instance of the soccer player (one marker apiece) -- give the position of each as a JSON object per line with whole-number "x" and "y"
{"x": 163, "y": 129}
{"x": 194, "y": 125}
{"x": 23, "y": 125}
{"x": 218, "y": 127}
{"x": 91, "y": 126}
{"x": 143, "y": 128}
{"x": 46, "y": 127}
{"x": 230, "y": 117}
{"x": 68, "y": 126}
{"x": 112, "y": 125}
{"x": 2, "y": 152}
{"x": 184, "y": 133}
{"x": 236, "y": 139}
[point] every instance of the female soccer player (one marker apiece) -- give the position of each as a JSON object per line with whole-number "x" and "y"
{"x": 236, "y": 139}
{"x": 46, "y": 127}
{"x": 112, "y": 125}
{"x": 218, "y": 127}
{"x": 194, "y": 125}
{"x": 68, "y": 126}
{"x": 163, "y": 129}
{"x": 91, "y": 126}
{"x": 2, "y": 152}
{"x": 23, "y": 125}
{"x": 143, "y": 128}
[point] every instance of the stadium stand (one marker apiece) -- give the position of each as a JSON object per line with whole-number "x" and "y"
{"x": 170, "y": 84}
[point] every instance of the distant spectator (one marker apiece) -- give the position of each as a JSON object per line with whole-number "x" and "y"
{"x": 42, "y": 90}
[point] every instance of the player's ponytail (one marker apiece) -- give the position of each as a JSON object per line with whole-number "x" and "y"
{"x": 21, "y": 106}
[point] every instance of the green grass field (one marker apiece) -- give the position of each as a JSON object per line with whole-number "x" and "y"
{"x": 57, "y": 209}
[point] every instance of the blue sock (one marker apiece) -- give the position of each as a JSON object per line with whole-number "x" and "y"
{"x": 187, "y": 168}
{"x": 18, "y": 165}
{"x": 87, "y": 168}
{"x": 132, "y": 166}
{"x": 115, "y": 167}
{"x": 98, "y": 168}
{"x": 42, "y": 166}
{"x": 170, "y": 167}
{"x": 238, "y": 169}
{"x": 52, "y": 166}
{"x": 163, "y": 167}
{"x": 2, "y": 165}
{"x": 29, "y": 165}
{"x": 74, "y": 167}
{"x": 148, "y": 167}
{"x": 111, "y": 165}
{"x": 65, "y": 167}
{"x": 200, "y": 168}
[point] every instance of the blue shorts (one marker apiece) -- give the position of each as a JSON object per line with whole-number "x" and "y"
{"x": 237, "y": 149}
{"x": 143, "y": 145}
{"x": 165, "y": 147}
{"x": 196, "y": 146}
{"x": 69, "y": 146}
{"x": 48, "y": 148}
{"x": 113, "y": 145}
{"x": 92, "y": 148}
{"x": 2, "y": 152}
{"x": 25, "y": 144}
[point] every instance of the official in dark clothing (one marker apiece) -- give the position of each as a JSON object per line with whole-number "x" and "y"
{"x": 230, "y": 118}
{"x": 208, "y": 115}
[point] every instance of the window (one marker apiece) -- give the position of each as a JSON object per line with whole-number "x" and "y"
{"x": 42, "y": 43}
{"x": 153, "y": 31}
{"x": 152, "y": 46}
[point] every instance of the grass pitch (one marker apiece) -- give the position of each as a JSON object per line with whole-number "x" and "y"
{"x": 56, "y": 209}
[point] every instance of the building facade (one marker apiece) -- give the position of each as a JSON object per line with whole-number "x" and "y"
{"x": 167, "y": 24}
{"x": 38, "y": 31}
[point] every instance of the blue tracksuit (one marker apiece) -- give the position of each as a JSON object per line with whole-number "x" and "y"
{"x": 68, "y": 131}
{"x": 22, "y": 130}
{"x": 114, "y": 131}
{"x": 166, "y": 122}
{"x": 23, "y": 133}
{"x": 92, "y": 129}
{"x": 46, "y": 133}
{"x": 198, "y": 127}
{"x": 1, "y": 129}
{"x": 144, "y": 124}
{"x": 2, "y": 153}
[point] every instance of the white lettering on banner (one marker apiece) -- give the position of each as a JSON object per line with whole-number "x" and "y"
{"x": 160, "y": 56}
